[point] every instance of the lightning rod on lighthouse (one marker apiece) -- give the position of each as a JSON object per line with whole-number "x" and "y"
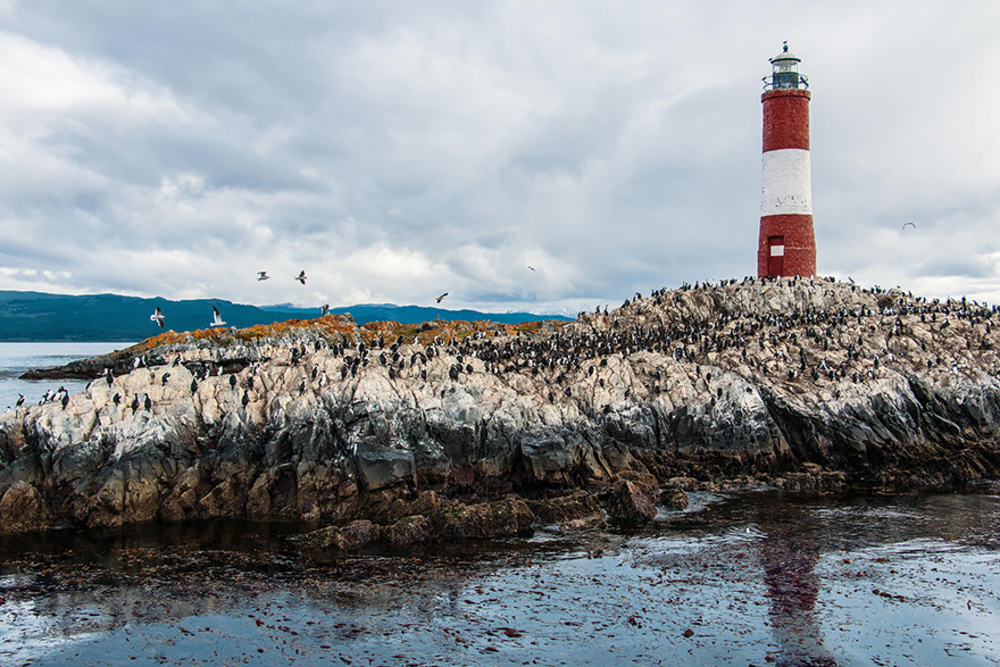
{"x": 787, "y": 244}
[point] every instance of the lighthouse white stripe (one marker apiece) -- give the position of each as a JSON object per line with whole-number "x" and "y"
{"x": 786, "y": 183}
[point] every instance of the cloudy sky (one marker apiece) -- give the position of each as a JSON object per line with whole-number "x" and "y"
{"x": 397, "y": 150}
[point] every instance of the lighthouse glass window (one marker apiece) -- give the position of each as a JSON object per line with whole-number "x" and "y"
{"x": 786, "y": 74}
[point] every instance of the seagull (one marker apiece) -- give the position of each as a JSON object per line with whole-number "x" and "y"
{"x": 262, "y": 275}
{"x": 324, "y": 309}
{"x": 531, "y": 268}
{"x": 910, "y": 224}
{"x": 439, "y": 298}
{"x": 301, "y": 277}
{"x": 217, "y": 318}
{"x": 157, "y": 317}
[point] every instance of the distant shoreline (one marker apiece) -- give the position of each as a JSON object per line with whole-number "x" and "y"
{"x": 35, "y": 317}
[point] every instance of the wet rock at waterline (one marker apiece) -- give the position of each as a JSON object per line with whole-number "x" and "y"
{"x": 804, "y": 384}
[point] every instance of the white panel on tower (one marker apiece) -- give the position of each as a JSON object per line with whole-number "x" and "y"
{"x": 786, "y": 184}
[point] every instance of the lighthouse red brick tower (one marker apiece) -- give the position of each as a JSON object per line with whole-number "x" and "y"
{"x": 787, "y": 245}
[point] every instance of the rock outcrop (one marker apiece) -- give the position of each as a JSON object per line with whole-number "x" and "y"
{"x": 803, "y": 383}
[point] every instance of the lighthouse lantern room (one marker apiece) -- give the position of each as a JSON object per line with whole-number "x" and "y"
{"x": 786, "y": 244}
{"x": 785, "y": 72}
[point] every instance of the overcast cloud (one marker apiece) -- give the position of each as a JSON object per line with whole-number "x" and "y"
{"x": 397, "y": 150}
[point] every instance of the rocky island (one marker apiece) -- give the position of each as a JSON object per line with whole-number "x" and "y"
{"x": 402, "y": 434}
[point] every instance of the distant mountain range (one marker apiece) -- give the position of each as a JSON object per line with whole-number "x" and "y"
{"x": 36, "y": 316}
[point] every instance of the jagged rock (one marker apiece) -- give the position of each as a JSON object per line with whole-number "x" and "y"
{"x": 428, "y": 501}
{"x": 674, "y": 498}
{"x": 22, "y": 508}
{"x": 355, "y": 535}
{"x": 627, "y": 505}
{"x": 812, "y": 383}
{"x": 408, "y": 531}
{"x": 565, "y": 509}
{"x": 509, "y": 517}
{"x": 684, "y": 483}
{"x": 645, "y": 481}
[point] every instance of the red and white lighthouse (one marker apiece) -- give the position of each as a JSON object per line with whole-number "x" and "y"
{"x": 787, "y": 244}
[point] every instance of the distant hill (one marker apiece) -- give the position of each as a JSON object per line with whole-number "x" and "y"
{"x": 37, "y": 316}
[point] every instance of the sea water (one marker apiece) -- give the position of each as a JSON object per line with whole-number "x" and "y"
{"x": 757, "y": 578}
{"x": 16, "y": 358}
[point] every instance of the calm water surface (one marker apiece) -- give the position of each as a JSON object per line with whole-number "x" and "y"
{"x": 16, "y": 358}
{"x": 752, "y": 579}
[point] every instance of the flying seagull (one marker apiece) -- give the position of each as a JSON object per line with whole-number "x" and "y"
{"x": 262, "y": 275}
{"x": 532, "y": 268}
{"x": 301, "y": 277}
{"x": 217, "y": 318}
{"x": 439, "y": 298}
{"x": 157, "y": 317}
{"x": 910, "y": 224}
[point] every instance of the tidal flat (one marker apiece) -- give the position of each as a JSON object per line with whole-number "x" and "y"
{"x": 754, "y": 578}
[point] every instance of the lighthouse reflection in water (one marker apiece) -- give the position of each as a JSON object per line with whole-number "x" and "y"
{"x": 755, "y": 578}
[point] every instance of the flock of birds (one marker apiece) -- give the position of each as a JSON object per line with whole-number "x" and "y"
{"x": 262, "y": 275}
{"x": 217, "y": 320}
{"x": 160, "y": 319}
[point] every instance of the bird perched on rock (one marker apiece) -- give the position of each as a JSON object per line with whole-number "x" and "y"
{"x": 262, "y": 275}
{"x": 324, "y": 309}
{"x": 20, "y": 400}
{"x": 301, "y": 277}
{"x": 157, "y": 317}
{"x": 217, "y": 318}
{"x": 440, "y": 298}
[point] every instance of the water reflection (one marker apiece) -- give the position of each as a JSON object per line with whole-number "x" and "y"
{"x": 813, "y": 582}
{"x": 789, "y": 554}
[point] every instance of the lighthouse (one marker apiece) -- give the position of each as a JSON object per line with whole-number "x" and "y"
{"x": 787, "y": 244}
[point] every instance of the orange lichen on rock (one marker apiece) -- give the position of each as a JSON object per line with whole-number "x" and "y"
{"x": 342, "y": 328}
{"x": 166, "y": 338}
